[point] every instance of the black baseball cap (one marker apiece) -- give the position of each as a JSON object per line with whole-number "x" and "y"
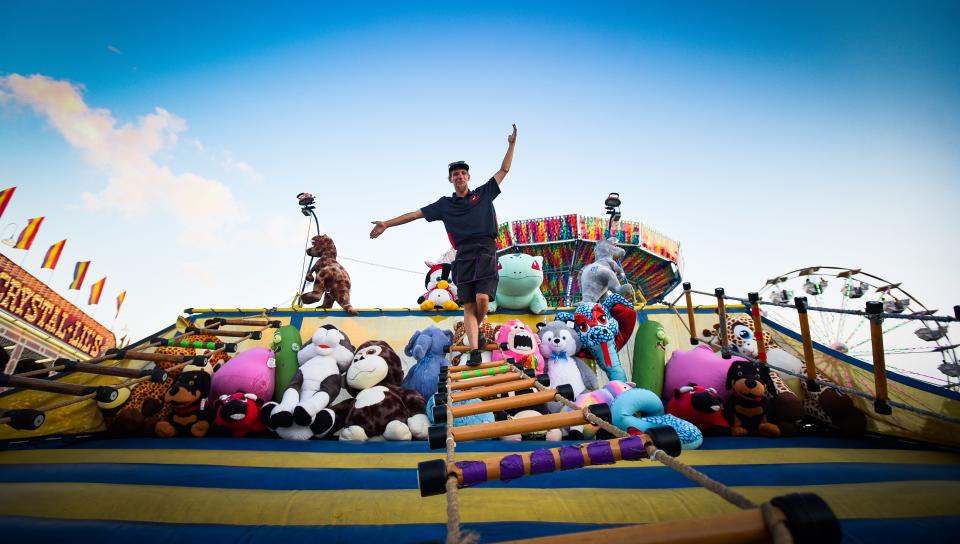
{"x": 459, "y": 165}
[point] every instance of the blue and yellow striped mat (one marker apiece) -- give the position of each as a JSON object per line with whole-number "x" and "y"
{"x": 152, "y": 490}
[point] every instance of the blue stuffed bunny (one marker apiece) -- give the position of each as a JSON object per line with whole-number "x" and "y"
{"x": 428, "y": 347}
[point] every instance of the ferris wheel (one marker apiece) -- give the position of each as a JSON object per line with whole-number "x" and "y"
{"x": 916, "y": 347}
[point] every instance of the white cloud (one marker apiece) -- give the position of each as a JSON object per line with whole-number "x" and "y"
{"x": 114, "y": 50}
{"x": 199, "y": 273}
{"x": 137, "y": 183}
{"x": 233, "y": 165}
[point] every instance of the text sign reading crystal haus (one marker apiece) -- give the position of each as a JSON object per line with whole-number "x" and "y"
{"x": 30, "y": 300}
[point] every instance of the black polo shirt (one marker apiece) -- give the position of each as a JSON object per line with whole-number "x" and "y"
{"x": 467, "y": 219}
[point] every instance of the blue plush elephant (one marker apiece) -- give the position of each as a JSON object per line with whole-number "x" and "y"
{"x": 642, "y": 410}
{"x": 428, "y": 348}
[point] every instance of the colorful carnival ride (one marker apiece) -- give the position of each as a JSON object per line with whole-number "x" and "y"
{"x": 582, "y": 423}
{"x": 566, "y": 244}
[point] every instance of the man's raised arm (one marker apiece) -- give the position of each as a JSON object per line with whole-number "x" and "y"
{"x": 380, "y": 226}
{"x": 508, "y": 158}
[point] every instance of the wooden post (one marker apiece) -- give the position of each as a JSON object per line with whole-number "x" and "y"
{"x": 177, "y": 343}
{"x": 483, "y": 382}
{"x": 874, "y": 309}
{"x": 465, "y": 349}
{"x": 722, "y": 312}
{"x": 493, "y": 390}
{"x": 438, "y": 433}
{"x": 739, "y": 527}
{"x": 23, "y": 419}
{"x": 809, "y": 365}
{"x": 505, "y": 403}
{"x": 120, "y": 354}
{"x": 754, "y": 299}
{"x": 217, "y": 322}
{"x": 157, "y": 375}
{"x": 502, "y": 368}
{"x": 433, "y": 474}
{"x": 690, "y": 318}
{"x": 104, "y": 394}
{"x": 253, "y": 335}
{"x": 481, "y": 366}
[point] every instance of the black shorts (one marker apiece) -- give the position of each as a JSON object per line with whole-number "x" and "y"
{"x": 475, "y": 270}
{"x": 467, "y": 293}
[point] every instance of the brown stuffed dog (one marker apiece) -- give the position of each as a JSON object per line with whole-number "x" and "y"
{"x": 187, "y": 397}
{"x": 331, "y": 283}
{"x": 746, "y": 409}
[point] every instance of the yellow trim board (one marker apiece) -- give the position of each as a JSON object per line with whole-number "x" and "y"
{"x": 245, "y": 458}
{"x": 168, "y": 504}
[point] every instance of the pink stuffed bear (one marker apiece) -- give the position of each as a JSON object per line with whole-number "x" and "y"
{"x": 699, "y": 365}
{"x": 250, "y": 371}
{"x": 523, "y": 345}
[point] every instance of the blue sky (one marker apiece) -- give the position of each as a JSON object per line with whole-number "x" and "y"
{"x": 764, "y": 137}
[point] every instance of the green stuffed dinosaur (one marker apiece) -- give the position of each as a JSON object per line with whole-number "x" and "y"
{"x": 519, "y": 286}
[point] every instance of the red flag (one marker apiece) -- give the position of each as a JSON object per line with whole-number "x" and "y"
{"x": 120, "y": 298}
{"x": 79, "y": 272}
{"x": 29, "y": 233}
{"x": 96, "y": 290}
{"x": 5, "y": 196}
{"x": 53, "y": 255}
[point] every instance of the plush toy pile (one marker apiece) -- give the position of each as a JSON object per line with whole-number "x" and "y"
{"x": 323, "y": 387}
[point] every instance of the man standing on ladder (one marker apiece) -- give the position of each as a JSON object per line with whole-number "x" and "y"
{"x": 471, "y": 223}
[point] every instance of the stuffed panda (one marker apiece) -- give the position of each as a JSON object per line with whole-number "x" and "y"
{"x": 317, "y": 382}
{"x": 381, "y": 408}
{"x": 558, "y": 345}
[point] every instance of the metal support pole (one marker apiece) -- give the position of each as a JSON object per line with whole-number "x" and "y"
{"x": 874, "y": 309}
{"x": 693, "y": 324}
{"x": 811, "y": 367}
{"x": 722, "y": 311}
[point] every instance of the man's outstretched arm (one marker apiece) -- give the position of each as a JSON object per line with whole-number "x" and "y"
{"x": 380, "y": 226}
{"x": 508, "y": 158}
